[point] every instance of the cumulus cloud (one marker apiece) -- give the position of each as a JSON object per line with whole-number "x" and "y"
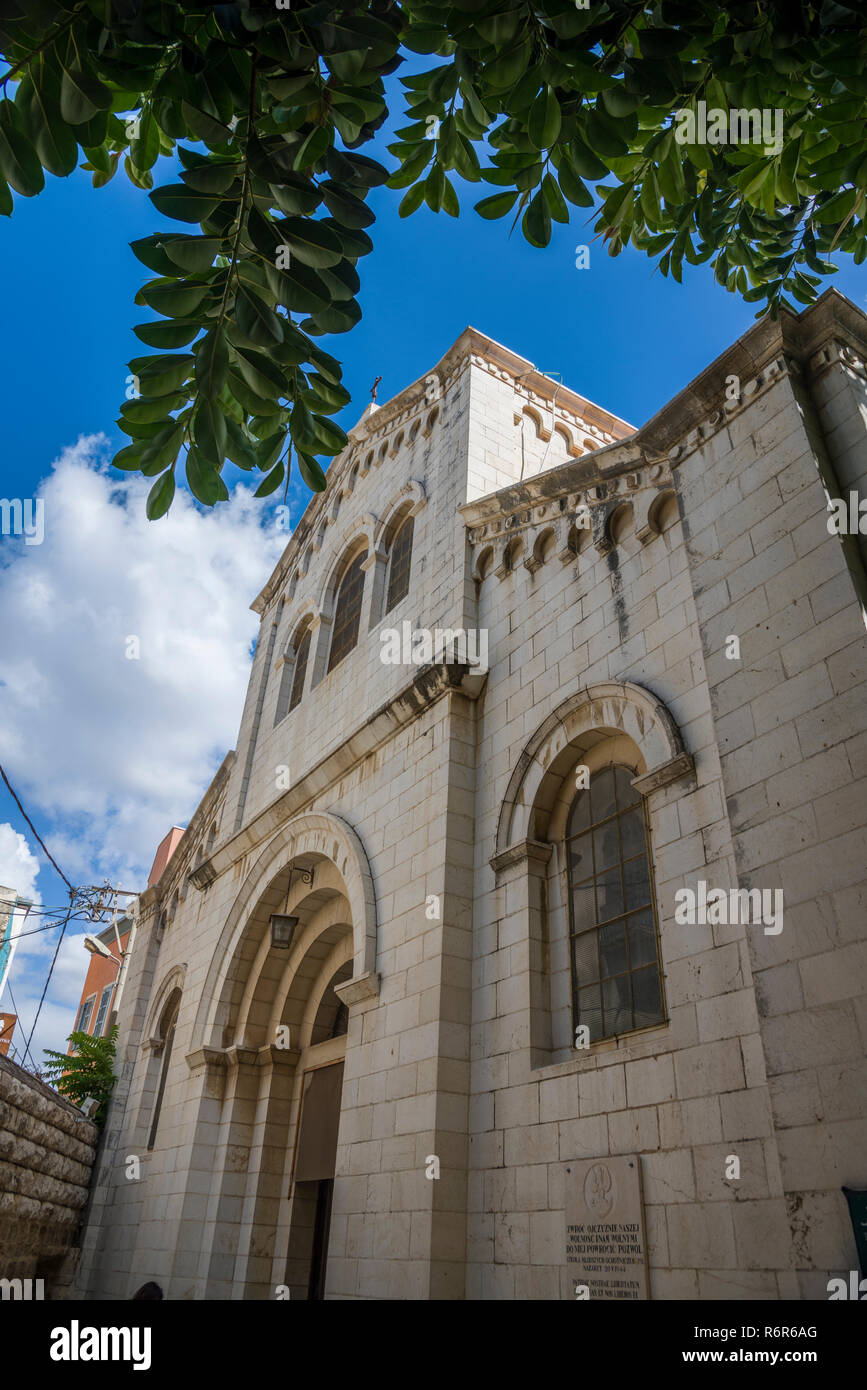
{"x": 125, "y": 654}
{"x": 124, "y": 658}
{"x": 19, "y": 867}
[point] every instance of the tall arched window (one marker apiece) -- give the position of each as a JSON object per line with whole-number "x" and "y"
{"x": 616, "y": 977}
{"x": 167, "y": 1034}
{"x": 399, "y": 563}
{"x": 302, "y": 652}
{"x": 293, "y": 674}
{"x": 347, "y": 612}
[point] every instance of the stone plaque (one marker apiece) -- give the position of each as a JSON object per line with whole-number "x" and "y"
{"x": 606, "y": 1248}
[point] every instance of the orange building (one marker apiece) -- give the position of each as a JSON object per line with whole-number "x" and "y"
{"x": 100, "y": 982}
{"x": 7, "y": 1028}
{"x": 103, "y": 972}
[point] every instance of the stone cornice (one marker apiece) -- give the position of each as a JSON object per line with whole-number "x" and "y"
{"x": 801, "y": 344}
{"x": 413, "y": 404}
{"x": 427, "y": 687}
{"x": 522, "y": 853}
{"x": 609, "y": 465}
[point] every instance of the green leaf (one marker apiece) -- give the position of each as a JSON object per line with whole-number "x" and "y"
{"x": 605, "y": 135}
{"x": 216, "y": 177}
{"x": 835, "y": 210}
{"x": 496, "y": 206}
{"x": 177, "y": 299}
{"x": 554, "y": 199}
{"x": 162, "y": 374}
{"x": 192, "y": 253}
{"x": 82, "y": 97}
{"x": 335, "y": 396}
{"x": 183, "y": 204}
{"x": 311, "y": 472}
{"x": 239, "y": 448}
{"x": 204, "y": 481}
{"x": 55, "y": 143}
{"x": 329, "y": 436}
{"x": 261, "y": 374}
{"x": 344, "y": 207}
{"x": 168, "y": 335}
{"x": 450, "y": 199}
{"x": 19, "y": 162}
{"x": 314, "y": 244}
{"x": 144, "y": 150}
{"x": 411, "y": 201}
{"x": 256, "y": 321}
{"x": 209, "y": 430}
{"x": 145, "y": 410}
{"x": 574, "y": 188}
{"x": 544, "y": 121}
{"x": 334, "y": 318}
{"x": 433, "y": 188}
{"x": 129, "y": 459}
{"x": 149, "y": 250}
{"x": 212, "y": 362}
{"x": 272, "y": 481}
{"x": 269, "y": 449}
{"x": 160, "y": 496}
{"x": 313, "y": 148}
{"x": 536, "y": 222}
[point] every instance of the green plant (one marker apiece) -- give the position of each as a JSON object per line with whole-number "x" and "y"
{"x": 570, "y": 103}
{"x": 87, "y": 1071}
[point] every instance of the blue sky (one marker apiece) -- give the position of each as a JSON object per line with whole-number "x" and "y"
{"x": 80, "y": 747}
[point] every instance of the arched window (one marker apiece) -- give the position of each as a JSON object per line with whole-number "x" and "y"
{"x": 302, "y": 652}
{"x": 167, "y": 1035}
{"x": 399, "y": 564}
{"x": 347, "y": 612}
{"x": 616, "y": 977}
{"x": 293, "y": 674}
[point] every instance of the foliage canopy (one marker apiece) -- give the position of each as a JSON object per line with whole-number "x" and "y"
{"x": 555, "y": 104}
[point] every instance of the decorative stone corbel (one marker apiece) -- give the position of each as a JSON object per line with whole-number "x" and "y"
{"x": 361, "y": 987}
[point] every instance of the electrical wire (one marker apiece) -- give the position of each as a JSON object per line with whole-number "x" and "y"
{"x": 39, "y": 839}
{"x": 48, "y": 980}
{"x": 27, "y": 1051}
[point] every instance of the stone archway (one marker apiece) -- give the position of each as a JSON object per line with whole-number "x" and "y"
{"x": 620, "y": 722}
{"x": 597, "y": 711}
{"x": 255, "y": 1024}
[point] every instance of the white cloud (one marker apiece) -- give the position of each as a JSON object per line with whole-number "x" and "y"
{"x": 114, "y": 750}
{"x": 107, "y": 753}
{"x": 18, "y": 865}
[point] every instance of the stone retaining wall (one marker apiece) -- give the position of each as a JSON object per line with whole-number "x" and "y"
{"x": 47, "y": 1150}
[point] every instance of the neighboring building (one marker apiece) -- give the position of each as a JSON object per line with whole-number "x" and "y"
{"x": 7, "y": 1029}
{"x": 100, "y": 983}
{"x": 104, "y": 976}
{"x": 391, "y": 1104}
{"x": 13, "y": 912}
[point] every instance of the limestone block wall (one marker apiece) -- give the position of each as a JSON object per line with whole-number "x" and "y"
{"x": 790, "y": 718}
{"x": 605, "y": 641}
{"x": 757, "y": 1024}
{"x": 47, "y": 1150}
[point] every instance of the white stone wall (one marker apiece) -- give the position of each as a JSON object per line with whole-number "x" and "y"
{"x": 750, "y": 772}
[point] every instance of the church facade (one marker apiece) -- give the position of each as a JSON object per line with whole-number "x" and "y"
{"x": 536, "y": 881}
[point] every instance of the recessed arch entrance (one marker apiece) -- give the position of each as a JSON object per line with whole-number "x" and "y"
{"x": 273, "y": 1027}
